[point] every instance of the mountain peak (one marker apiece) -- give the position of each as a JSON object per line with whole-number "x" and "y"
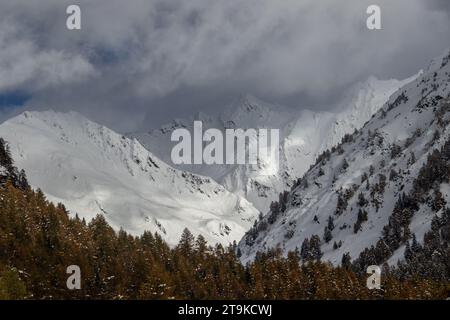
{"x": 50, "y": 113}
{"x": 248, "y": 98}
{"x": 349, "y": 199}
{"x": 52, "y": 118}
{"x": 248, "y": 111}
{"x": 92, "y": 169}
{"x": 247, "y": 103}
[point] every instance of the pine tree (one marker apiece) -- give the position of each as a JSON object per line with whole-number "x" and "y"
{"x": 364, "y": 177}
{"x": 315, "y": 251}
{"x": 304, "y": 252}
{"x": 201, "y": 246}
{"x": 330, "y": 224}
{"x": 362, "y": 217}
{"x": 362, "y": 200}
{"x": 316, "y": 219}
{"x": 346, "y": 260}
{"x": 321, "y": 172}
{"x": 345, "y": 164}
{"x": 327, "y": 235}
{"x": 186, "y": 244}
{"x": 412, "y": 159}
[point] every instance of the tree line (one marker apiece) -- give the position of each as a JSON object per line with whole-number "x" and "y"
{"x": 39, "y": 240}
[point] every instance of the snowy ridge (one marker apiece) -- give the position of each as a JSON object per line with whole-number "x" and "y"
{"x": 304, "y": 135}
{"x": 352, "y": 188}
{"x": 92, "y": 170}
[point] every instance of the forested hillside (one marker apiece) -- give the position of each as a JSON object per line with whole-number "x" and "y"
{"x": 39, "y": 240}
{"x": 380, "y": 196}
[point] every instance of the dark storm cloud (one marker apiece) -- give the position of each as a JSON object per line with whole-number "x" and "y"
{"x": 156, "y": 60}
{"x": 443, "y": 5}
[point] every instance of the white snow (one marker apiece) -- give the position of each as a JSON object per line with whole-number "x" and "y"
{"x": 304, "y": 134}
{"x": 371, "y": 146}
{"x": 93, "y": 170}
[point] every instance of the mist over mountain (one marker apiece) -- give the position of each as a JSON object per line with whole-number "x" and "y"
{"x": 304, "y": 134}
{"x": 380, "y": 188}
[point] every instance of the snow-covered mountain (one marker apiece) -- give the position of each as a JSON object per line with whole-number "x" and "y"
{"x": 304, "y": 134}
{"x": 92, "y": 170}
{"x": 380, "y": 186}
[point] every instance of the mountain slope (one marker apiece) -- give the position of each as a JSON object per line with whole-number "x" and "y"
{"x": 304, "y": 134}
{"x": 363, "y": 192}
{"x": 92, "y": 170}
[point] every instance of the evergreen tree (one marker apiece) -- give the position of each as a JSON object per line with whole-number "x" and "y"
{"x": 346, "y": 260}
{"x": 201, "y": 246}
{"x": 330, "y": 224}
{"x": 345, "y": 164}
{"x": 327, "y": 235}
{"x": 186, "y": 244}
{"x": 11, "y": 286}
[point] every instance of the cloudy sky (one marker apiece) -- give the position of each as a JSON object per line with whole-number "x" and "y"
{"x": 138, "y": 63}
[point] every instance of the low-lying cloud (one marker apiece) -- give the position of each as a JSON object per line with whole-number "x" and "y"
{"x": 160, "y": 59}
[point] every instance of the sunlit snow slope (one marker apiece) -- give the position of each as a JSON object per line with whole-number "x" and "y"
{"x": 93, "y": 170}
{"x": 304, "y": 134}
{"x": 368, "y": 172}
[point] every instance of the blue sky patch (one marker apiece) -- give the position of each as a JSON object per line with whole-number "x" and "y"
{"x": 13, "y": 99}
